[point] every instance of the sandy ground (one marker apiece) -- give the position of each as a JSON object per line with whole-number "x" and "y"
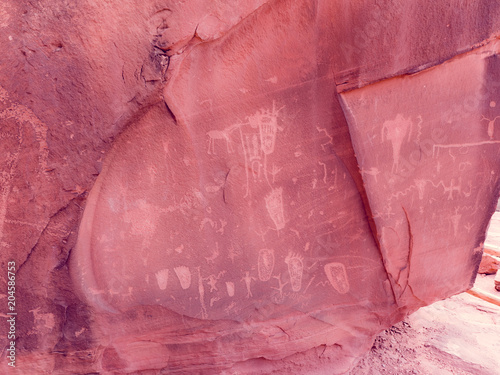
{"x": 460, "y": 335}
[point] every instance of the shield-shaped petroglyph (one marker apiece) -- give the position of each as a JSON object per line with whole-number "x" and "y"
{"x": 265, "y": 264}
{"x": 274, "y": 205}
{"x": 162, "y": 278}
{"x": 337, "y": 276}
{"x": 295, "y": 270}
{"x": 230, "y": 288}
{"x": 184, "y": 275}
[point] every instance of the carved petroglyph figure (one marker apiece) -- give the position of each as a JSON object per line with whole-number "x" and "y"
{"x": 212, "y": 281}
{"x": 395, "y": 131}
{"x": 268, "y": 126}
{"x": 230, "y": 288}
{"x": 295, "y": 270}
{"x": 162, "y": 278}
{"x": 258, "y": 141}
{"x": 337, "y": 275}
{"x": 265, "y": 264}
{"x": 491, "y": 125}
{"x": 330, "y": 138}
{"x": 275, "y": 171}
{"x": 274, "y": 205}
{"x": 267, "y": 123}
{"x": 201, "y": 291}
{"x": 450, "y": 189}
{"x": 225, "y": 135}
{"x": 278, "y": 297}
{"x": 455, "y": 220}
{"x": 419, "y": 129}
{"x": 215, "y": 254}
{"x": 184, "y": 275}
{"x": 252, "y": 151}
{"x": 420, "y": 184}
{"x": 248, "y": 283}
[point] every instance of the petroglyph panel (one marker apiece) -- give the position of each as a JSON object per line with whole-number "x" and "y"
{"x": 181, "y": 176}
{"x": 420, "y": 169}
{"x": 254, "y": 205}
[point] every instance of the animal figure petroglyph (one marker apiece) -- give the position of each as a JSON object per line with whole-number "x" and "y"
{"x": 330, "y": 141}
{"x": 225, "y": 135}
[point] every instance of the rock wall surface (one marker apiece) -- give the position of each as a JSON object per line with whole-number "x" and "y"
{"x": 239, "y": 187}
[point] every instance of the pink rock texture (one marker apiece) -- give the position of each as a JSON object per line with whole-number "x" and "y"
{"x": 250, "y": 187}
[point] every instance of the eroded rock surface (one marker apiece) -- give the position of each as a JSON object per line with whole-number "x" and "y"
{"x": 255, "y": 188}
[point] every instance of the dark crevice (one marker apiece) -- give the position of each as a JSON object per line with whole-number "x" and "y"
{"x": 409, "y": 71}
{"x": 365, "y": 201}
{"x": 45, "y": 228}
{"x": 408, "y": 260}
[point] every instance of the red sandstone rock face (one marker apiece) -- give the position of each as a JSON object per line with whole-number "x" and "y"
{"x": 489, "y": 265}
{"x": 276, "y": 183}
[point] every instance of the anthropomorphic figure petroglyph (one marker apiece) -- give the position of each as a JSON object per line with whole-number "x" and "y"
{"x": 395, "y": 131}
{"x": 491, "y": 125}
